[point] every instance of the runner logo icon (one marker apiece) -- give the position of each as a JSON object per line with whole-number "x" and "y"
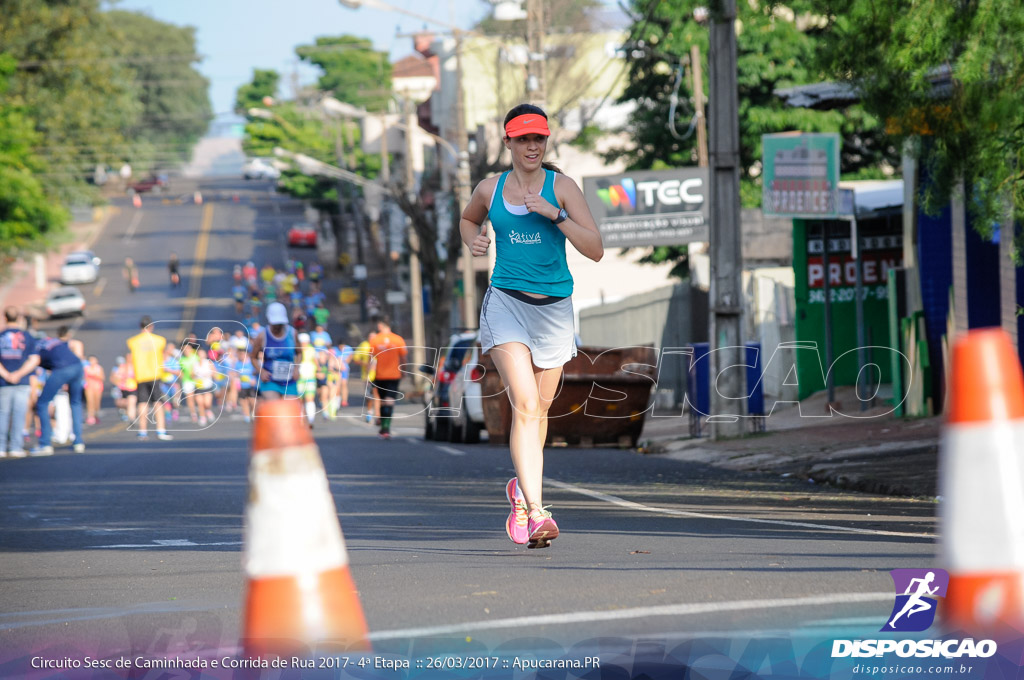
{"x": 916, "y": 590}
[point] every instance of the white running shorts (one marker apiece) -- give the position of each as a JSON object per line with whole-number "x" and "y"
{"x": 548, "y": 330}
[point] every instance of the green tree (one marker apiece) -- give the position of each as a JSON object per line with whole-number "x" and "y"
{"x": 263, "y": 84}
{"x": 72, "y": 83}
{"x": 352, "y": 70}
{"x": 174, "y": 97}
{"x": 946, "y": 75}
{"x": 29, "y": 217}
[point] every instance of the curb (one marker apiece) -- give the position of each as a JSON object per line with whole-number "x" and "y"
{"x": 910, "y": 471}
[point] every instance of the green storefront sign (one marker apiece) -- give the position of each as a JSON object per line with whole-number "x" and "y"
{"x": 881, "y": 249}
{"x": 800, "y": 175}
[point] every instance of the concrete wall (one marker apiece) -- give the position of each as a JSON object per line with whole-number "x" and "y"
{"x": 768, "y": 318}
{"x": 672, "y": 316}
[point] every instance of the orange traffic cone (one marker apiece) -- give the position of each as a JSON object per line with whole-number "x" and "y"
{"x": 137, "y": 201}
{"x": 197, "y": 198}
{"x": 981, "y": 479}
{"x": 300, "y": 592}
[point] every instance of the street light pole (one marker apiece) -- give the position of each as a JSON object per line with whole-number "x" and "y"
{"x": 727, "y": 357}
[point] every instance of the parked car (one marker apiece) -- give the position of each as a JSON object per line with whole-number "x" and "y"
{"x": 88, "y": 254}
{"x": 464, "y": 396}
{"x": 260, "y": 168}
{"x": 79, "y": 268}
{"x": 64, "y": 301}
{"x": 302, "y": 234}
{"x": 439, "y": 415}
{"x": 154, "y": 183}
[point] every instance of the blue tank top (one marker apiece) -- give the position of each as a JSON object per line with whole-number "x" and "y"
{"x": 279, "y": 355}
{"x": 55, "y": 354}
{"x": 530, "y": 248}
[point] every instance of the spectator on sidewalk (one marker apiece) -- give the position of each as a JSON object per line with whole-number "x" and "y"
{"x": 147, "y": 350}
{"x": 65, "y": 367}
{"x": 16, "y": 346}
{"x": 32, "y": 327}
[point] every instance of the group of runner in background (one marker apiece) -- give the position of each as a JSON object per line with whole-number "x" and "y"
{"x": 156, "y": 381}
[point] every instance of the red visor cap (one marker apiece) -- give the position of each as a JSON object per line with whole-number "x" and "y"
{"x": 526, "y": 124}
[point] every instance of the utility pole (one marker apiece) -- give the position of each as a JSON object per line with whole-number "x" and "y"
{"x": 535, "y": 28}
{"x": 698, "y": 104}
{"x": 727, "y": 386}
{"x": 415, "y": 275}
{"x": 464, "y": 191}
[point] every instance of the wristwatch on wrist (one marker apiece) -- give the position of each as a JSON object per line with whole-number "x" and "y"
{"x": 562, "y": 217}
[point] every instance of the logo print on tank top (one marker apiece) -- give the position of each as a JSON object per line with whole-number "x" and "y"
{"x": 527, "y": 239}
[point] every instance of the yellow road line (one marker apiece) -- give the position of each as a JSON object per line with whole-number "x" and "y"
{"x": 195, "y": 277}
{"x": 94, "y": 434}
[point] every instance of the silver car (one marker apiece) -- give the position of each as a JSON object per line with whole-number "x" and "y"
{"x": 464, "y": 396}
{"x": 79, "y": 268}
{"x": 65, "y": 301}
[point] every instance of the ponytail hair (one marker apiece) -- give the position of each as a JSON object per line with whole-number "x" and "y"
{"x": 523, "y": 109}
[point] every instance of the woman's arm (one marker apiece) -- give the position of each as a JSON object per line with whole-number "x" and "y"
{"x": 579, "y": 228}
{"x": 474, "y": 215}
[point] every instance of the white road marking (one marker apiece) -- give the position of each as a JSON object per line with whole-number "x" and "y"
{"x": 700, "y": 515}
{"x": 132, "y": 226}
{"x": 692, "y": 609}
{"x": 450, "y": 450}
{"x": 171, "y": 543}
{"x": 12, "y": 620}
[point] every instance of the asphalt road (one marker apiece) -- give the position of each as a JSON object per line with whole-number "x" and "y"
{"x": 137, "y": 547}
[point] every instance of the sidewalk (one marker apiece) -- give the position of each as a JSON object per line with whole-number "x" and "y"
{"x": 876, "y": 453}
{"x": 20, "y": 289}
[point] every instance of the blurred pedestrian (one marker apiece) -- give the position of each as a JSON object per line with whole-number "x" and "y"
{"x": 147, "y": 352}
{"x": 203, "y": 375}
{"x": 526, "y": 322}
{"x": 273, "y": 352}
{"x": 187, "y": 363}
{"x": 65, "y": 368}
{"x": 246, "y": 384}
{"x": 131, "y": 274}
{"x": 388, "y": 350}
{"x": 16, "y": 346}
{"x": 172, "y": 270}
{"x": 95, "y": 379}
{"x": 123, "y": 377}
{"x": 170, "y": 381}
{"x": 344, "y": 353}
{"x": 321, "y": 314}
{"x": 307, "y": 377}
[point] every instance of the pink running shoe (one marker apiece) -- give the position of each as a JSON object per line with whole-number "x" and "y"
{"x": 516, "y": 526}
{"x": 542, "y": 529}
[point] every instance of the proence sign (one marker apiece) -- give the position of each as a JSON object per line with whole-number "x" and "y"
{"x": 650, "y": 207}
{"x": 801, "y": 175}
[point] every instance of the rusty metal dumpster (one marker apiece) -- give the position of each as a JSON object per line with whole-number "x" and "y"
{"x": 603, "y": 399}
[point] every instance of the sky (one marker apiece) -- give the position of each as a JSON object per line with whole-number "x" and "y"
{"x": 236, "y": 36}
